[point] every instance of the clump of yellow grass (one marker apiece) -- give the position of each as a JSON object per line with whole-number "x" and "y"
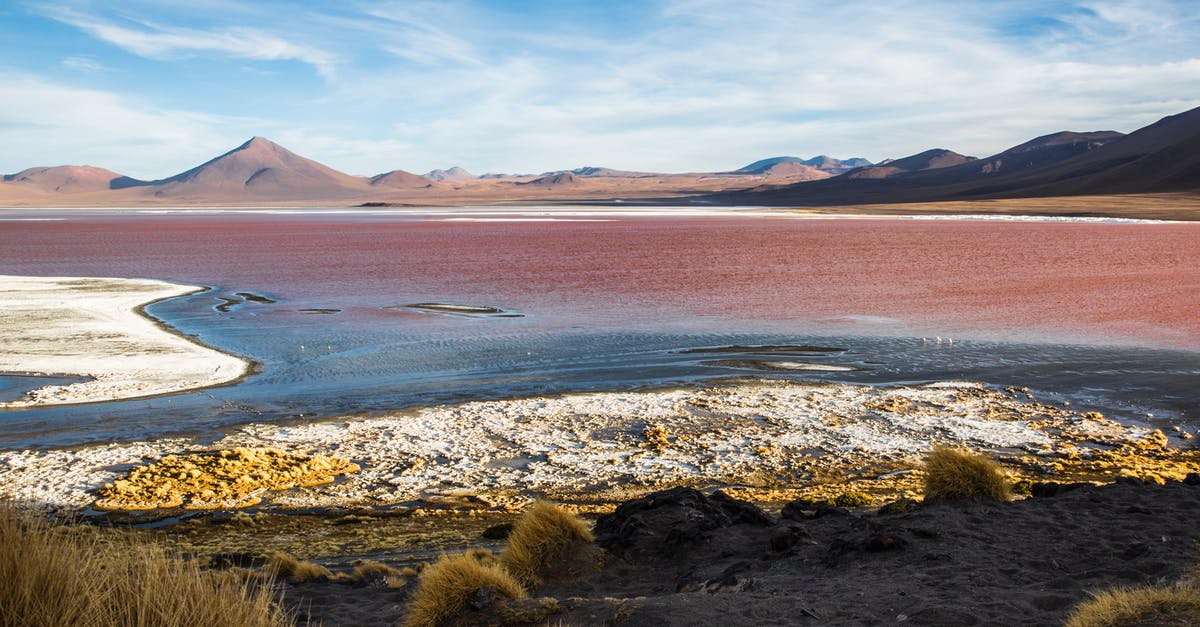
{"x": 59, "y": 576}
{"x": 280, "y": 564}
{"x": 545, "y": 537}
{"x": 1151, "y": 605}
{"x": 952, "y": 474}
{"x": 444, "y": 589}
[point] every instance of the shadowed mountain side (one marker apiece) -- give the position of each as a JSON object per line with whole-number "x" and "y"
{"x": 1161, "y": 157}
{"x": 933, "y": 159}
{"x": 67, "y": 179}
{"x": 400, "y": 179}
{"x": 261, "y": 168}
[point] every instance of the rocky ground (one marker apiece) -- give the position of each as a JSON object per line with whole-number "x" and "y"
{"x": 411, "y": 486}
{"x": 682, "y": 557}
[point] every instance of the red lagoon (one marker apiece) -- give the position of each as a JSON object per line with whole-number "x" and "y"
{"x": 1123, "y": 283}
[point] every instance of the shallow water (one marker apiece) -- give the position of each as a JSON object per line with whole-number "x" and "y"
{"x": 1099, "y": 314}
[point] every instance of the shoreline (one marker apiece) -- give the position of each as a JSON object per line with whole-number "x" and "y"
{"x": 1145, "y": 208}
{"x": 130, "y": 354}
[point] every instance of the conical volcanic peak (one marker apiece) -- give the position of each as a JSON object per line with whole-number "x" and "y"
{"x": 261, "y": 168}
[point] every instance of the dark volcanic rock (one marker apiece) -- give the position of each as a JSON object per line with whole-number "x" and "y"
{"x": 664, "y": 523}
{"x": 806, "y": 510}
{"x": 1050, "y": 488}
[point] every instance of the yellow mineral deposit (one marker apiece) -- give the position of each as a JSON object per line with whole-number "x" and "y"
{"x": 228, "y": 478}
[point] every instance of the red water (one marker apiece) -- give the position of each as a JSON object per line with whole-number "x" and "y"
{"x": 1088, "y": 282}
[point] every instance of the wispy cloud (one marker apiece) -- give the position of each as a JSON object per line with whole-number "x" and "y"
{"x": 417, "y": 38}
{"x": 84, "y": 64}
{"x": 46, "y": 123}
{"x": 701, "y": 86}
{"x": 155, "y": 41}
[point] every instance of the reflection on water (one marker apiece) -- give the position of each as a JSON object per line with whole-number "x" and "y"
{"x": 523, "y": 309}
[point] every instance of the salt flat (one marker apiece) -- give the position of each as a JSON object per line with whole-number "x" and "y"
{"x": 94, "y": 328}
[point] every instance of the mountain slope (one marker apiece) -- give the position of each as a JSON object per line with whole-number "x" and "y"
{"x": 399, "y": 179}
{"x": 933, "y": 159}
{"x": 261, "y": 168}
{"x": 67, "y": 179}
{"x": 1158, "y": 158}
{"x": 1161, "y": 157}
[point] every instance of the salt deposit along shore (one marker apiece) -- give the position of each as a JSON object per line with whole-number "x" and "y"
{"x": 94, "y": 328}
{"x": 764, "y": 440}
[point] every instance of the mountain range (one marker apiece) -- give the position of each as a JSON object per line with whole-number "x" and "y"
{"x": 1161, "y": 157}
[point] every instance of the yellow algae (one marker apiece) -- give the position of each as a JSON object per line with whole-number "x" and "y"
{"x": 228, "y": 478}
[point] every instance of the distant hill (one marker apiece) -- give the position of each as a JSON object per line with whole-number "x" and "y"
{"x": 793, "y": 170}
{"x": 261, "y": 168}
{"x": 589, "y": 171}
{"x": 820, "y": 162}
{"x": 934, "y": 159}
{"x": 453, "y": 174}
{"x": 399, "y": 179}
{"x": 68, "y": 179}
{"x": 552, "y": 180}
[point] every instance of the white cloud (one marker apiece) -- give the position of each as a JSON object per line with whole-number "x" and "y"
{"x": 165, "y": 42}
{"x": 44, "y": 123}
{"x": 84, "y": 64}
{"x": 708, "y": 87}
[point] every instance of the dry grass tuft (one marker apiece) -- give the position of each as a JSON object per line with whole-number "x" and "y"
{"x": 53, "y": 576}
{"x": 283, "y": 565}
{"x": 371, "y": 567}
{"x": 544, "y": 538}
{"x": 952, "y": 474}
{"x": 446, "y": 590}
{"x": 1150, "y": 605}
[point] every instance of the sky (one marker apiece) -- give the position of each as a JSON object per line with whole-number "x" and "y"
{"x": 150, "y": 88}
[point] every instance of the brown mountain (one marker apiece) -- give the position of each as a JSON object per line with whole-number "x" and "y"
{"x": 261, "y": 169}
{"x": 793, "y": 170}
{"x": 67, "y": 179}
{"x": 400, "y": 179}
{"x": 933, "y": 159}
{"x": 552, "y": 180}
{"x": 1162, "y": 157}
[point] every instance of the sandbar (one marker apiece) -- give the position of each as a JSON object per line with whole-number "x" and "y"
{"x": 96, "y": 328}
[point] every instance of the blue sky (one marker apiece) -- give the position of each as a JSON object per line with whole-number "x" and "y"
{"x": 152, "y": 87}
